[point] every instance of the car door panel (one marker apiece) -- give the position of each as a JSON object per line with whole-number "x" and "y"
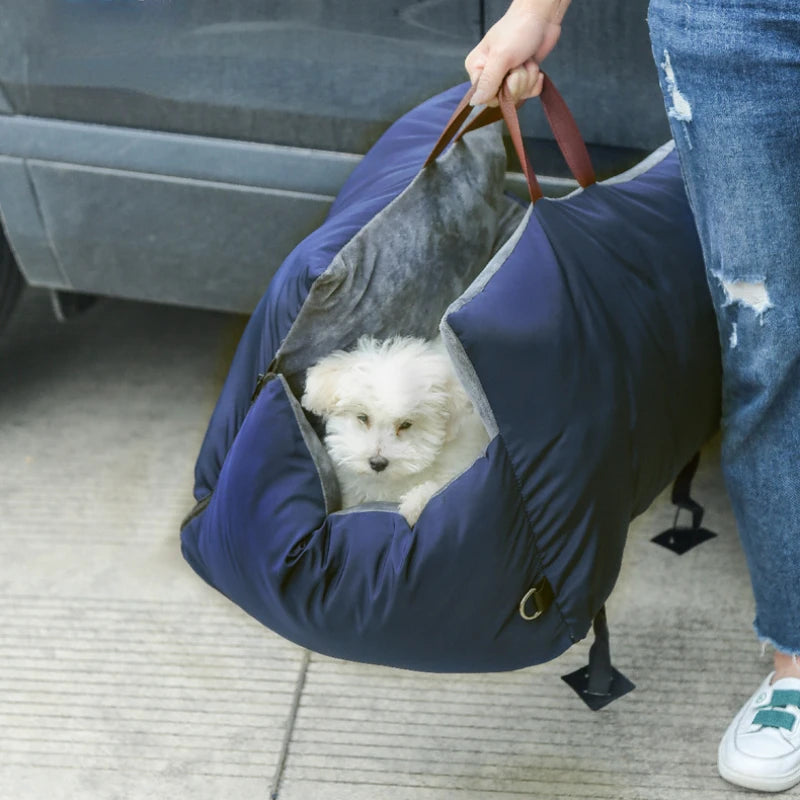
{"x": 157, "y": 216}
{"x": 178, "y": 151}
{"x": 307, "y": 73}
{"x": 23, "y": 227}
{"x": 173, "y": 240}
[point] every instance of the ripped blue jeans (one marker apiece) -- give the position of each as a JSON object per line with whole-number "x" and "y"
{"x": 730, "y": 74}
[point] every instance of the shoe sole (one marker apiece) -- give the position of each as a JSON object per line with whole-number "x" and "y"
{"x": 779, "y": 783}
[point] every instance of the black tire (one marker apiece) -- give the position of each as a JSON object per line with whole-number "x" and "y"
{"x": 11, "y": 282}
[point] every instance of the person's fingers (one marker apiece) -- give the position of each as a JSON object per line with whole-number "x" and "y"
{"x": 475, "y": 62}
{"x": 524, "y": 82}
{"x": 521, "y": 82}
{"x": 511, "y": 50}
{"x": 538, "y": 85}
{"x": 489, "y": 80}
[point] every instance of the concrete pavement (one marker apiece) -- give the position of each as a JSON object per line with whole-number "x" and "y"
{"x": 122, "y": 675}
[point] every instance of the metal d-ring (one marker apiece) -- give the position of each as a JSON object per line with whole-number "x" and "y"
{"x": 531, "y": 593}
{"x": 542, "y": 595}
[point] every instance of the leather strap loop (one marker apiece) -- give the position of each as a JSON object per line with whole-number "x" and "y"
{"x": 566, "y": 133}
{"x": 509, "y": 112}
{"x": 463, "y": 110}
{"x": 562, "y": 124}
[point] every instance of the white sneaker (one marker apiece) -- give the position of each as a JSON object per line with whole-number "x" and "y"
{"x": 761, "y": 748}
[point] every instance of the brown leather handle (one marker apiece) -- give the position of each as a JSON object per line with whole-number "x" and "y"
{"x": 562, "y": 123}
{"x": 566, "y": 133}
{"x": 507, "y": 111}
{"x": 463, "y": 110}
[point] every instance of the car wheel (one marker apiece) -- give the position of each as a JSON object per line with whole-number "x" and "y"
{"x": 11, "y": 282}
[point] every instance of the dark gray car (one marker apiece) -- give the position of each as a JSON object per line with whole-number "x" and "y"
{"x": 176, "y": 151}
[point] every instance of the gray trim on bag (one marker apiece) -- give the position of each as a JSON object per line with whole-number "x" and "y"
{"x": 463, "y": 366}
{"x": 319, "y": 454}
{"x": 656, "y": 157}
{"x": 551, "y": 186}
{"x": 388, "y": 508}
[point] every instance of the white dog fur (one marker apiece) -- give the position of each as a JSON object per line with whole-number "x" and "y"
{"x": 399, "y": 425}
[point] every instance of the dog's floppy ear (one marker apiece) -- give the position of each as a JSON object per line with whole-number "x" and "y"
{"x": 323, "y": 380}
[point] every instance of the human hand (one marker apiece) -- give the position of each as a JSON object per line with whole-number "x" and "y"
{"x": 513, "y": 48}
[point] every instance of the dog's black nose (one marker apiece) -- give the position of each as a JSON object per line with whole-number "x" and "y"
{"x": 379, "y": 463}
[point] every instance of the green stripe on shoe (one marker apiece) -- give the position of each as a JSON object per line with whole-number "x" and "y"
{"x": 785, "y": 697}
{"x": 770, "y": 718}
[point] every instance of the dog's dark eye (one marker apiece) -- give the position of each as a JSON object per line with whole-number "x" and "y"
{"x": 404, "y": 426}
{"x": 363, "y": 418}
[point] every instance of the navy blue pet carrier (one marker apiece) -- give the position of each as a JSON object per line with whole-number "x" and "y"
{"x": 582, "y": 329}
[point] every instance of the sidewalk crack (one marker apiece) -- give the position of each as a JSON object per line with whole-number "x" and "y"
{"x": 290, "y": 725}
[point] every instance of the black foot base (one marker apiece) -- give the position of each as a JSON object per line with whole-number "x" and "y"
{"x": 681, "y": 540}
{"x": 579, "y": 681}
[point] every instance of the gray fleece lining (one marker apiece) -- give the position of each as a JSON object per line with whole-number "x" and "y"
{"x": 389, "y": 507}
{"x": 400, "y": 272}
{"x": 643, "y": 166}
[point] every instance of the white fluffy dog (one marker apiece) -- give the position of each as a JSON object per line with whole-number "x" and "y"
{"x": 399, "y": 425}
